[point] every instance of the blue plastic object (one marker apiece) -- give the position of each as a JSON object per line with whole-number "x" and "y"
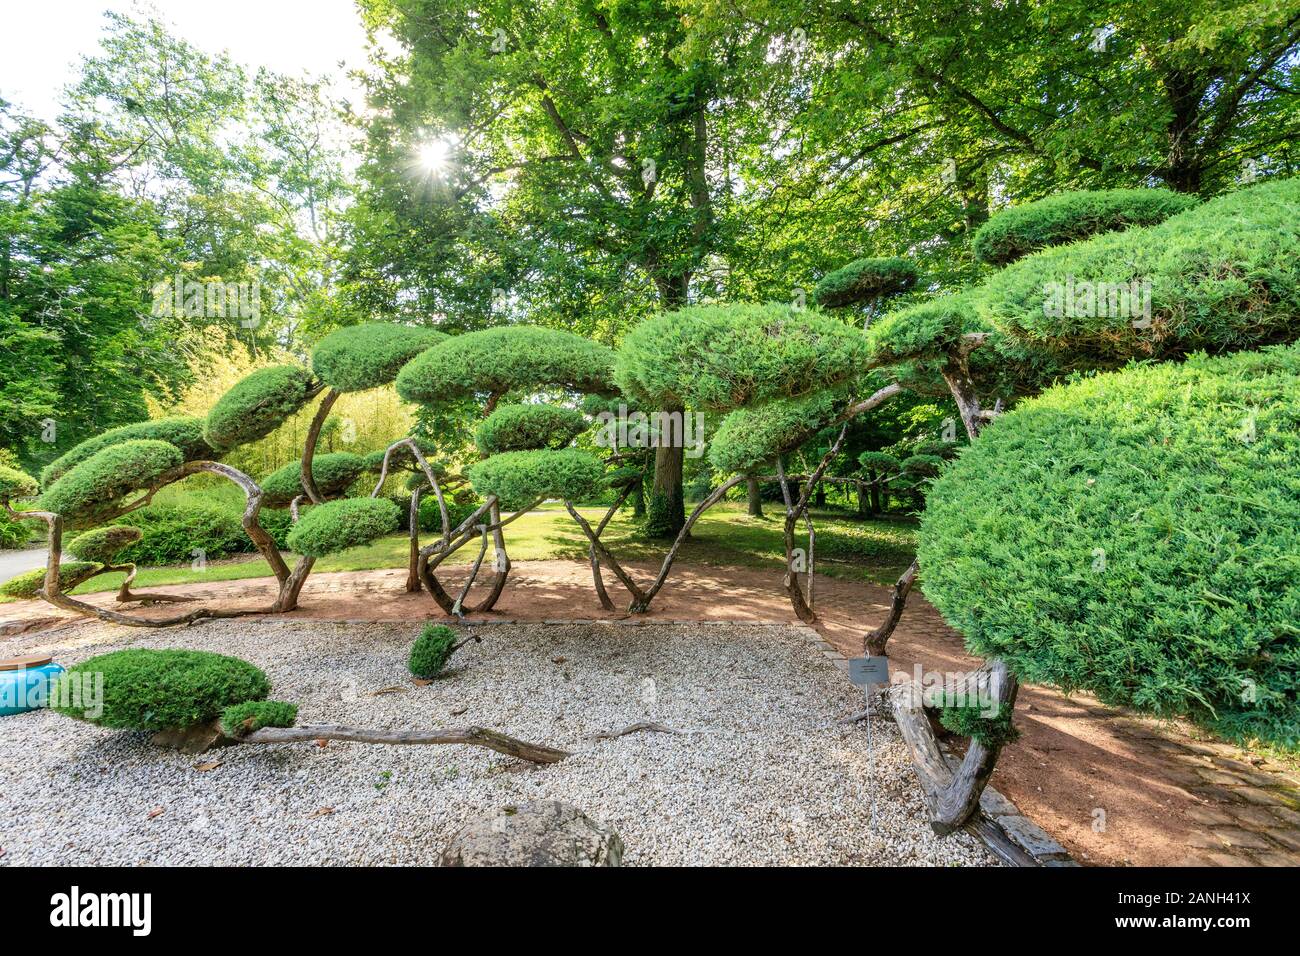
{"x": 25, "y": 683}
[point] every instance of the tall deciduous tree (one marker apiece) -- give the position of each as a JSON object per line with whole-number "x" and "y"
{"x": 590, "y": 174}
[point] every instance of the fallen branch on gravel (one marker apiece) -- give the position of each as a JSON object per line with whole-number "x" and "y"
{"x": 473, "y": 736}
{"x": 639, "y": 727}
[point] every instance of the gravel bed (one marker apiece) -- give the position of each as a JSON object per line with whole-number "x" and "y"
{"x": 763, "y": 774}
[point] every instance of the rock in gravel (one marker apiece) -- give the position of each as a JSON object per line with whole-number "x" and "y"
{"x": 540, "y": 833}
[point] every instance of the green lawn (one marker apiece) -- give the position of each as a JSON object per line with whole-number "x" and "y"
{"x": 874, "y": 550}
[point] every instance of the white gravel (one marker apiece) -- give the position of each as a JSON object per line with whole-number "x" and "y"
{"x": 764, "y": 774}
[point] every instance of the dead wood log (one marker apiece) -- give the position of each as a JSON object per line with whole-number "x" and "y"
{"x": 642, "y": 726}
{"x": 953, "y": 797}
{"x": 471, "y": 736}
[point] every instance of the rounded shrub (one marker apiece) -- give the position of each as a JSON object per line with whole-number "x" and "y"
{"x": 925, "y": 465}
{"x": 1133, "y": 534}
{"x": 15, "y": 484}
{"x": 186, "y": 433}
{"x": 1069, "y": 217}
{"x": 527, "y": 427}
{"x": 863, "y": 280}
{"x": 880, "y": 462}
{"x": 171, "y": 534}
{"x": 720, "y": 357}
{"x": 502, "y": 359}
{"x": 365, "y": 356}
{"x": 103, "y": 545}
{"x": 240, "y": 720}
{"x": 334, "y": 473}
{"x": 518, "y": 478}
{"x": 1222, "y": 276}
{"x": 432, "y": 650}
{"x": 96, "y": 484}
{"x": 29, "y": 583}
{"x": 257, "y": 405}
{"x": 339, "y": 525}
{"x": 160, "y": 689}
{"x": 749, "y": 438}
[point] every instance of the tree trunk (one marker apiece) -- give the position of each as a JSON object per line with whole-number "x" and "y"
{"x": 754, "y": 497}
{"x": 666, "y": 510}
{"x": 820, "y": 500}
{"x": 864, "y": 500}
{"x": 638, "y": 498}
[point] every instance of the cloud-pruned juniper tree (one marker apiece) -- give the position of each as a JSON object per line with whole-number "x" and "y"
{"x": 785, "y": 372}
{"x": 109, "y": 476}
{"x": 523, "y": 446}
{"x": 1220, "y": 277}
{"x": 589, "y": 175}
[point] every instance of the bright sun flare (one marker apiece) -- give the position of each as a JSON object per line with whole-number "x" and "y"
{"x": 434, "y": 155}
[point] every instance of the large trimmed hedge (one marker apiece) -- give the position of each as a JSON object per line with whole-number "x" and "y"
{"x": 519, "y": 478}
{"x": 1069, "y": 217}
{"x": 366, "y": 356}
{"x": 334, "y": 474}
{"x": 257, "y": 405}
{"x": 160, "y": 689}
{"x": 1134, "y": 534}
{"x": 339, "y": 525}
{"x": 106, "y": 476}
{"x": 526, "y": 427}
{"x": 183, "y": 432}
{"x": 863, "y": 280}
{"x": 503, "y": 359}
{"x": 720, "y": 357}
{"x": 1223, "y": 276}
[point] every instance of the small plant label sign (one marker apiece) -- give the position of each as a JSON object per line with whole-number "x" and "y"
{"x": 865, "y": 671}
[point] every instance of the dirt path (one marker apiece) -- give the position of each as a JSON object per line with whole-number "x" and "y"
{"x": 1114, "y": 788}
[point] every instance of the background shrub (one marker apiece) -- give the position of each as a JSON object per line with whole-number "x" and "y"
{"x": 432, "y": 650}
{"x": 15, "y": 533}
{"x": 102, "y": 545}
{"x": 431, "y": 517}
{"x": 186, "y": 433}
{"x": 334, "y": 472}
{"x": 366, "y": 356}
{"x": 1134, "y": 534}
{"x": 339, "y": 525}
{"x": 257, "y": 405}
{"x": 240, "y": 720}
{"x": 170, "y": 534}
{"x": 108, "y": 475}
{"x": 527, "y": 427}
{"x": 163, "y": 689}
{"x": 1020, "y": 230}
